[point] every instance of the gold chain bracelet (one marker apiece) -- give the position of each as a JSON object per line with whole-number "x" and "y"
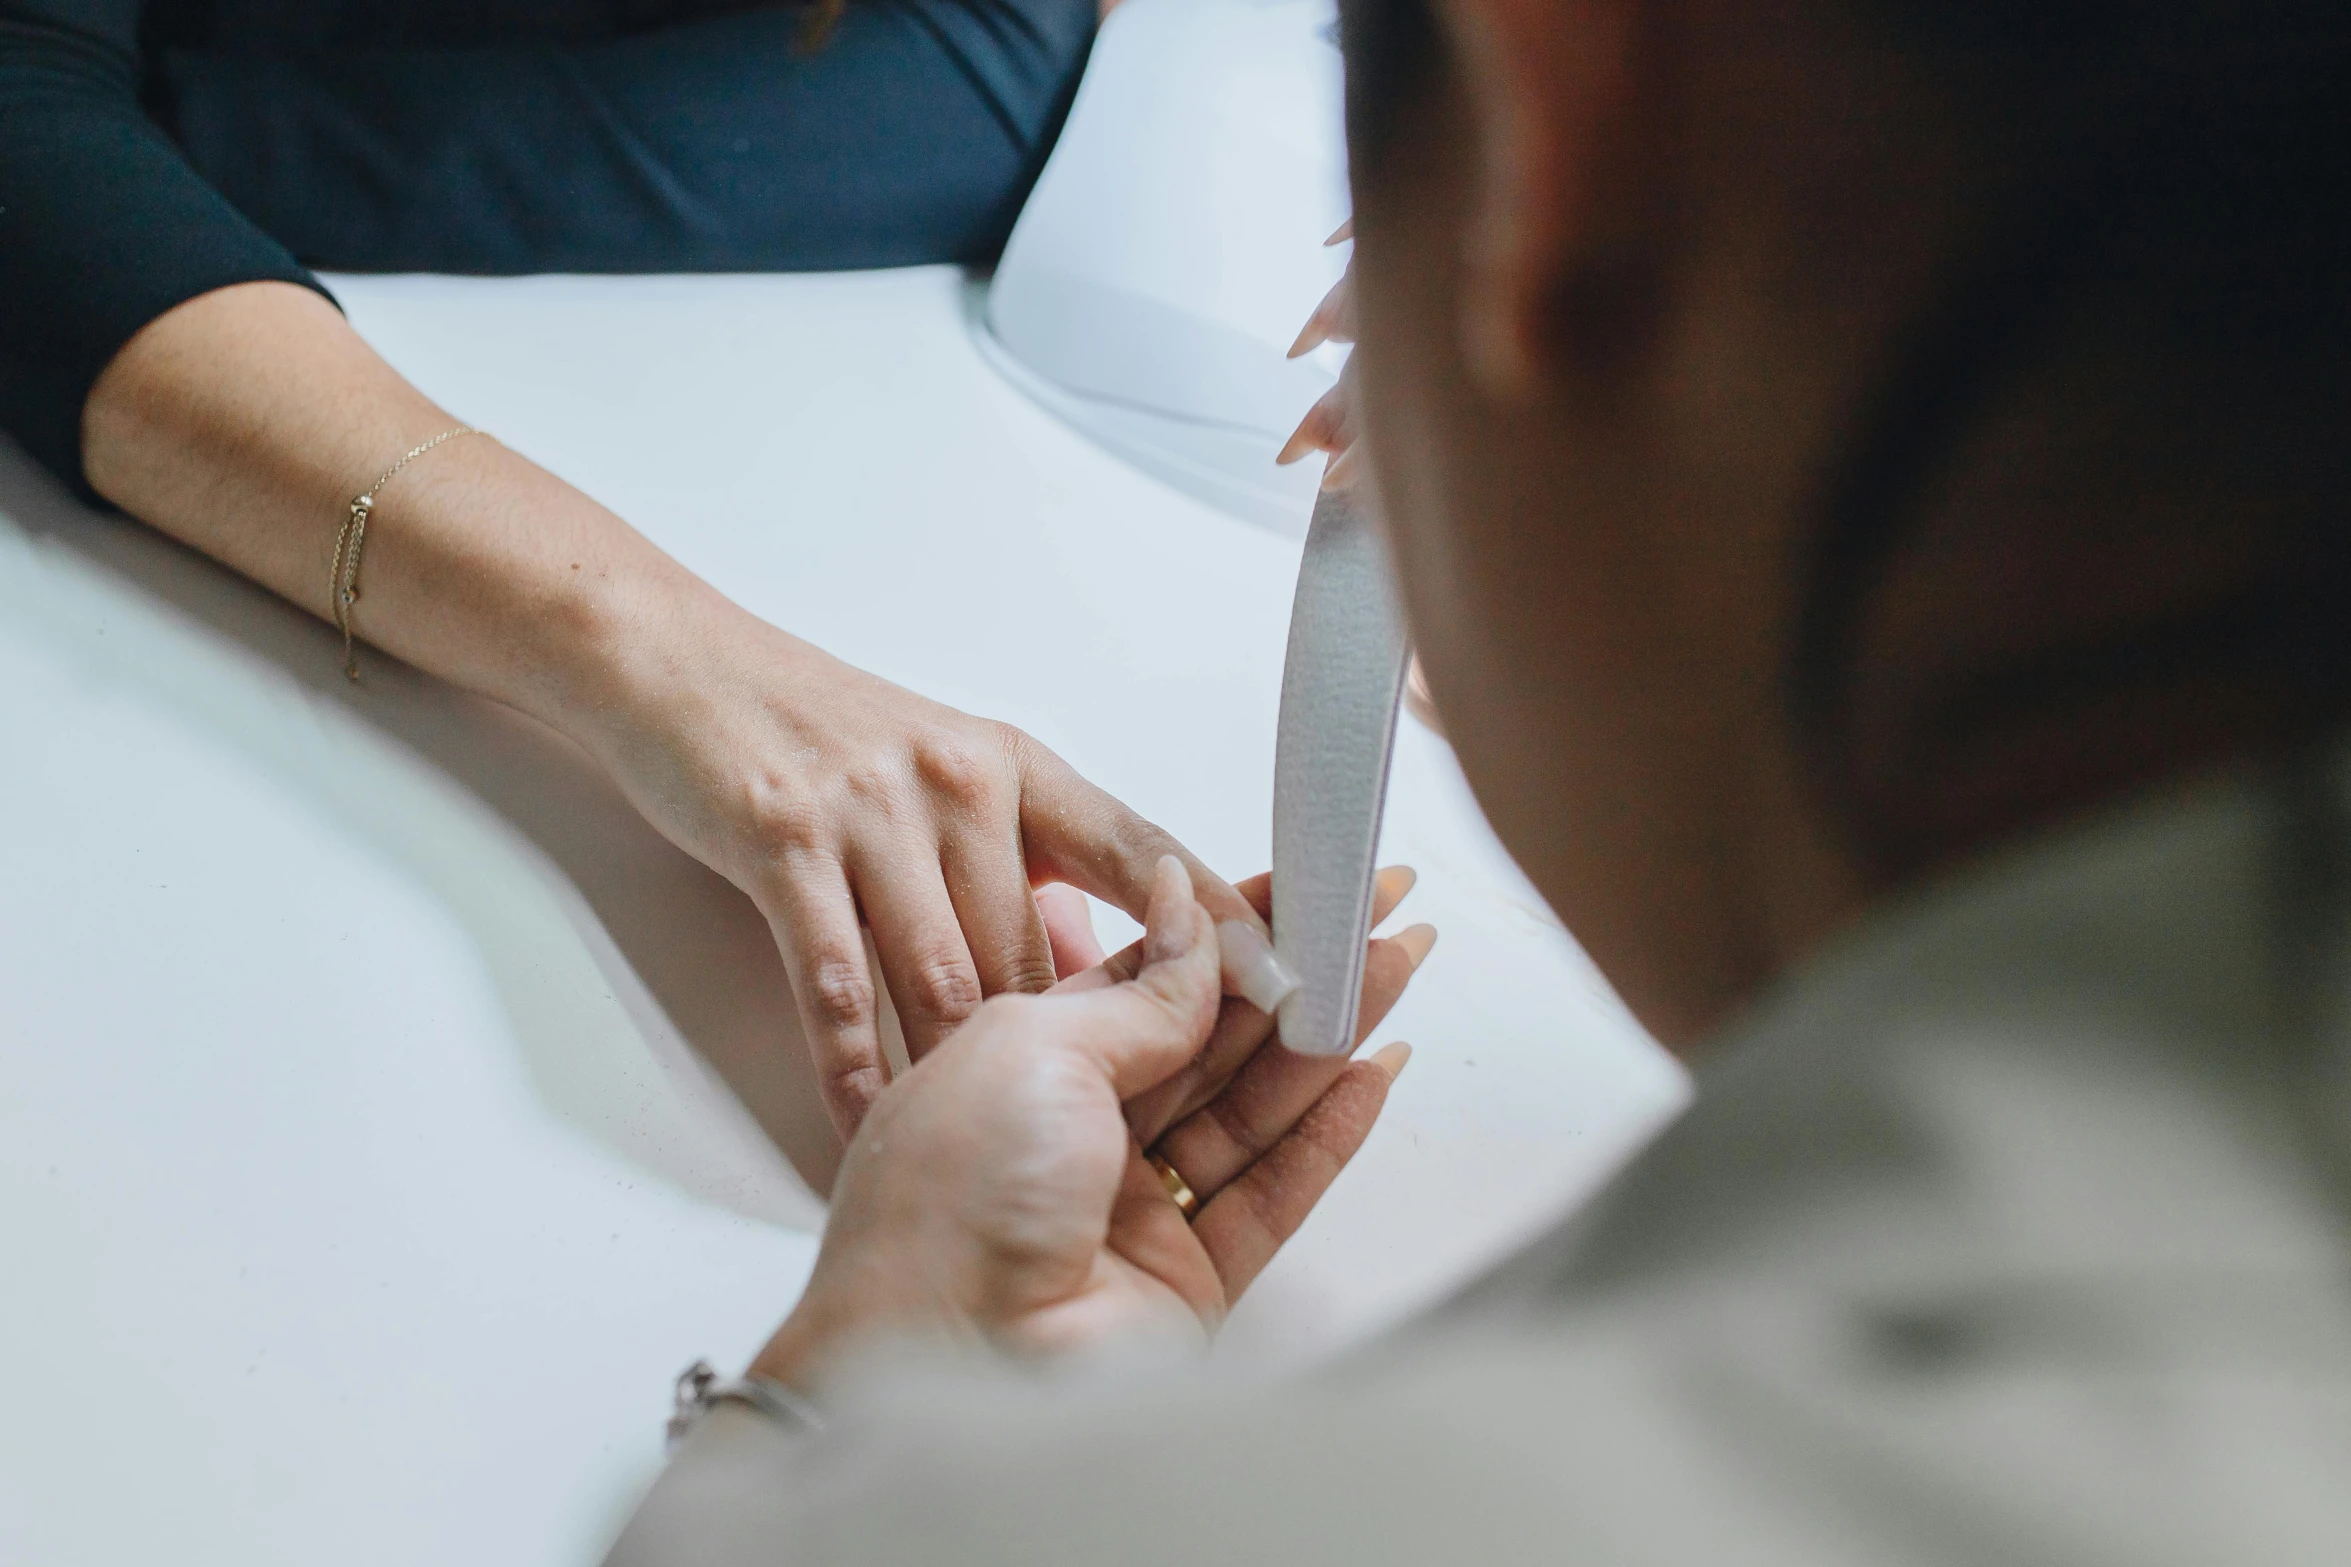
{"x": 344, "y": 581}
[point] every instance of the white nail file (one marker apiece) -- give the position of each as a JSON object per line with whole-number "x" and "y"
{"x": 1341, "y": 683}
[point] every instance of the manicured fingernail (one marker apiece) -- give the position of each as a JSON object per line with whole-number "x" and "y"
{"x": 1300, "y": 444}
{"x": 1251, "y": 971}
{"x": 1341, "y": 234}
{"x": 1169, "y": 935}
{"x": 1391, "y": 1058}
{"x": 1319, "y": 325}
{"x": 1396, "y": 882}
{"x": 1417, "y": 943}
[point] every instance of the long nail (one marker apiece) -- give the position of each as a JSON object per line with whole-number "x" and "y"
{"x": 1251, "y": 970}
{"x": 1322, "y": 322}
{"x": 1395, "y": 883}
{"x": 1301, "y": 442}
{"x": 1391, "y": 1058}
{"x": 1417, "y": 943}
{"x": 1340, "y": 235}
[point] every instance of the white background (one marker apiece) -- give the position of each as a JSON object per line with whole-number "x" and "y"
{"x": 361, "y": 1187}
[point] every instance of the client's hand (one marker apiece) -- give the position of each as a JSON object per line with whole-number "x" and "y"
{"x": 234, "y": 420}
{"x": 1000, "y": 1193}
{"x": 832, "y": 797}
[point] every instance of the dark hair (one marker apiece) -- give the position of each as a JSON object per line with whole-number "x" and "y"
{"x": 2186, "y": 162}
{"x": 1394, "y": 56}
{"x": 2187, "y": 170}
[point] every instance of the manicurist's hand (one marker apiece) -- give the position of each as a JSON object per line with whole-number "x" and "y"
{"x": 1333, "y": 426}
{"x": 1330, "y": 426}
{"x": 1001, "y": 1194}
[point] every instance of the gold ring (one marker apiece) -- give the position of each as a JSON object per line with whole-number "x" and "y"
{"x": 1187, "y": 1201}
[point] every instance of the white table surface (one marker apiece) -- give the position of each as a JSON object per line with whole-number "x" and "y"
{"x": 361, "y": 1182}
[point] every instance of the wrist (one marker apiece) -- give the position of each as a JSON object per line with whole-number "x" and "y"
{"x": 497, "y": 575}
{"x": 818, "y": 1337}
{"x": 795, "y": 1356}
{"x": 625, "y": 654}
{"x": 853, "y": 1303}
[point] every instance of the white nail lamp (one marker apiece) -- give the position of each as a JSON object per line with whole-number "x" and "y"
{"x": 1174, "y": 246}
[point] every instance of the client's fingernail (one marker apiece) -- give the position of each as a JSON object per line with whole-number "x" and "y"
{"x": 1417, "y": 943}
{"x": 1391, "y": 1058}
{"x": 1339, "y": 235}
{"x": 1251, "y": 970}
{"x": 1395, "y": 882}
{"x": 1300, "y": 443}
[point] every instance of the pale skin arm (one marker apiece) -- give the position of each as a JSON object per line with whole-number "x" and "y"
{"x": 244, "y": 421}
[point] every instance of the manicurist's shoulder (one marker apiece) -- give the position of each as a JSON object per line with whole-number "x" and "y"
{"x": 1740, "y": 1422}
{"x": 2092, "y": 1053}
{"x": 2004, "y": 1232}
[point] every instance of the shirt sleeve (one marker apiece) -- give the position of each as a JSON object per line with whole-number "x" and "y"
{"x": 103, "y": 224}
{"x": 723, "y": 143}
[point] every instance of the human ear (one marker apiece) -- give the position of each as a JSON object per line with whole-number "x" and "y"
{"x": 1551, "y": 88}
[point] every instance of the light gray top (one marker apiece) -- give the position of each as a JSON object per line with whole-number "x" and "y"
{"x": 2015, "y": 1229}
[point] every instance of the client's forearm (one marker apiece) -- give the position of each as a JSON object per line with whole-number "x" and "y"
{"x": 244, "y": 421}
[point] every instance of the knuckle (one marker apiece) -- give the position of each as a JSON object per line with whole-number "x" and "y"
{"x": 1137, "y": 841}
{"x": 785, "y": 819}
{"x": 954, "y": 770}
{"x": 1030, "y": 973}
{"x": 944, "y": 987}
{"x": 1263, "y": 1209}
{"x": 1015, "y": 744}
{"x": 851, "y": 1088}
{"x": 841, "y": 993}
{"x": 1182, "y": 1010}
{"x": 1235, "y": 1126}
{"x": 871, "y": 789}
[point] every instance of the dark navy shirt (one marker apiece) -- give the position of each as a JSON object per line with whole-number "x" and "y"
{"x": 152, "y": 152}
